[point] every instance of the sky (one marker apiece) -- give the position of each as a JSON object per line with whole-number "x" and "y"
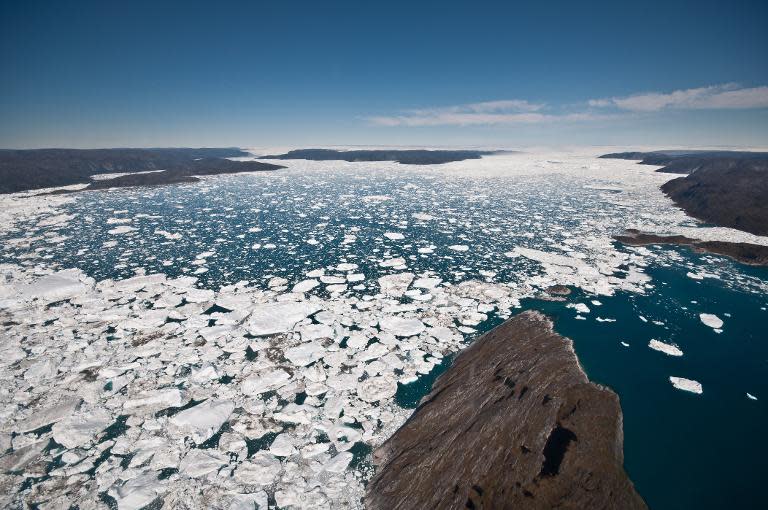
{"x": 512, "y": 74}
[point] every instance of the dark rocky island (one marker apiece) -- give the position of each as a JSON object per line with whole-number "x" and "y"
{"x": 514, "y": 423}
{"x": 746, "y": 253}
{"x": 409, "y": 157}
{"x": 22, "y": 170}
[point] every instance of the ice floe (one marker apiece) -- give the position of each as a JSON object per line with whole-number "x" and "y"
{"x": 684, "y": 384}
{"x": 711, "y": 320}
{"x": 668, "y": 349}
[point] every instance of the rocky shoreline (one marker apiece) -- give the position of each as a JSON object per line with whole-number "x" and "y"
{"x": 514, "y": 423}
{"x": 750, "y": 254}
{"x": 727, "y": 188}
{"x": 33, "y": 169}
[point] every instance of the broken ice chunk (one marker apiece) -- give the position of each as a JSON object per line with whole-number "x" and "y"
{"x": 395, "y": 285}
{"x": 137, "y": 493}
{"x": 251, "y": 501}
{"x": 711, "y": 320}
{"x": 265, "y": 381}
{"x": 201, "y": 462}
{"x": 305, "y": 286}
{"x": 684, "y": 384}
{"x": 52, "y": 414}
{"x": 275, "y": 318}
{"x": 261, "y": 469}
{"x": 203, "y": 420}
{"x": 400, "y": 326}
{"x": 160, "y": 399}
{"x": 59, "y": 286}
{"x": 374, "y": 389}
{"x": 668, "y": 349}
{"x": 81, "y": 429}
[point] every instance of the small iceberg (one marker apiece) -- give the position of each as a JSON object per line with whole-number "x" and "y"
{"x": 684, "y": 384}
{"x": 668, "y": 349}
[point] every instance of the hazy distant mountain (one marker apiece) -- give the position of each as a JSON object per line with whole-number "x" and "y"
{"x": 409, "y": 157}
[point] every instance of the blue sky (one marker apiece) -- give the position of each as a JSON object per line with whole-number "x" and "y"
{"x": 105, "y": 74}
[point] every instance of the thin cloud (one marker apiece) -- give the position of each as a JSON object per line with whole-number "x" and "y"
{"x": 717, "y": 97}
{"x": 519, "y": 111}
{"x": 508, "y": 111}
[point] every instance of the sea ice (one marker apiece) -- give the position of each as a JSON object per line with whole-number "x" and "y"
{"x": 400, "y": 326}
{"x": 305, "y": 286}
{"x": 395, "y": 285}
{"x": 684, "y": 384}
{"x": 270, "y": 319}
{"x": 265, "y": 381}
{"x": 81, "y": 429}
{"x": 202, "y": 421}
{"x": 711, "y": 320}
{"x": 669, "y": 349}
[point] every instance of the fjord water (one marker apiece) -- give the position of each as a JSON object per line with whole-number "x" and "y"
{"x": 681, "y": 450}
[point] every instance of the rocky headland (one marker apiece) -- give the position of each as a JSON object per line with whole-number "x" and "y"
{"x": 514, "y": 423}
{"x": 24, "y": 170}
{"x": 725, "y": 188}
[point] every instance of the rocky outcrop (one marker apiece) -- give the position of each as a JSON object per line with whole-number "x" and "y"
{"x": 32, "y": 169}
{"x": 685, "y": 162}
{"x": 727, "y": 188}
{"x": 746, "y": 253}
{"x": 731, "y": 193}
{"x": 514, "y": 423}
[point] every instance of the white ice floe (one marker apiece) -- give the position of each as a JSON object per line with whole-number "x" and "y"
{"x": 58, "y": 286}
{"x": 579, "y": 307}
{"x": 275, "y": 318}
{"x": 81, "y": 429}
{"x": 394, "y": 236}
{"x": 668, "y": 349}
{"x": 401, "y": 326}
{"x": 265, "y": 381}
{"x": 684, "y": 384}
{"x": 202, "y": 421}
{"x": 122, "y": 229}
{"x": 305, "y": 285}
{"x": 711, "y": 320}
{"x": 395, "y": 285}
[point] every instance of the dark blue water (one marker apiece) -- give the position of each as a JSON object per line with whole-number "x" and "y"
{"x": 683, "y": 450}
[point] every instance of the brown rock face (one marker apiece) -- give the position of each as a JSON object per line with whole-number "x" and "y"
{"x": 514, "y": 423}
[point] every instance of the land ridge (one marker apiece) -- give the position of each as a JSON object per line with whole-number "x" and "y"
{"x": 728, "y": 189}
{"x": 32, "y": 169}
